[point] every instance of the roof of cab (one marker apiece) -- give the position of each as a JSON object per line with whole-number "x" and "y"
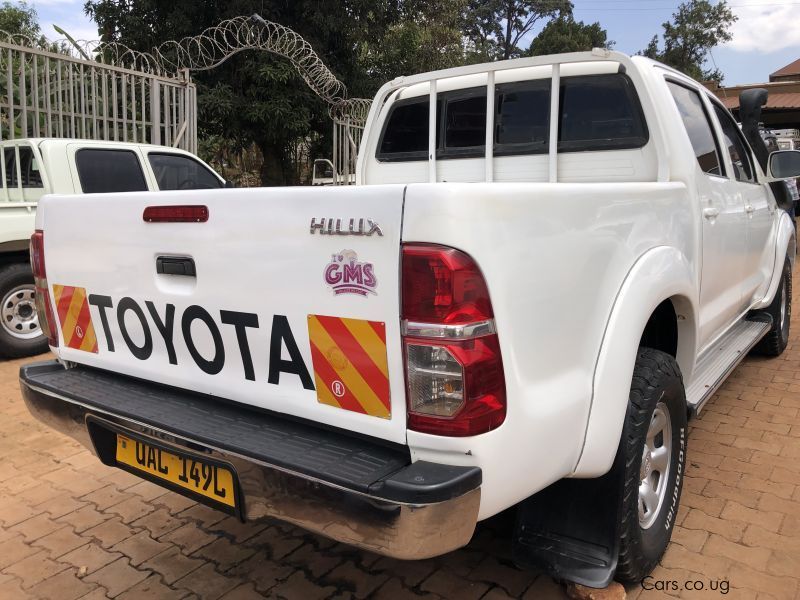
{"x": 55, "y": 142}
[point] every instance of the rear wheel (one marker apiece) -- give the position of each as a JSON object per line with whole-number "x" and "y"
{"x": 654, "y": 449}
{"x": 20, "y": 334}
{"x": 777, "y": 338}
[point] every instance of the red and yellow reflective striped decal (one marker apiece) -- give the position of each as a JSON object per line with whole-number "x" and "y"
{"x": 72, "y": 306}
{"x": 350, "y": 366}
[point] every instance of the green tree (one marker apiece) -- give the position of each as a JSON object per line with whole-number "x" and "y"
{"x": 567, "y": 35}
{"x": 422, "y": 36}
{"x": 493, "y": 29}
{"x": 696, "y": 28}
{"x": 19, "y": 18}
{"x": 259, "y": 98}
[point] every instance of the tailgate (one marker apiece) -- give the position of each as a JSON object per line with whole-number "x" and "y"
{"x": 277, "y": 315}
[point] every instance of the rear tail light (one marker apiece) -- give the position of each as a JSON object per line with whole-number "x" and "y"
{"x": 44, "y": 306}
{"x": 454, "y": 371}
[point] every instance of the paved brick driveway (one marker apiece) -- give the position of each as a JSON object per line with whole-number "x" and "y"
{"x": 73, "y": 528}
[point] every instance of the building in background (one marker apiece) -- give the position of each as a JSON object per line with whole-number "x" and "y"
{"x": 782, "y": 111}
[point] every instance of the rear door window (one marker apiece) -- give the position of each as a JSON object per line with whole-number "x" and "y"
{"x": 698, "y": 127}
{"x": 105, "y": 171}
{"x": 179, "y": 172}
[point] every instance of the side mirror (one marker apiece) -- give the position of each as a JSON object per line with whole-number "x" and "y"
{"x": 230, "y": 184}
{"x": 783, "y": 164}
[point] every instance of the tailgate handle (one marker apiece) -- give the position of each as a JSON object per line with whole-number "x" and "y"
{"x": 175, "y": 265}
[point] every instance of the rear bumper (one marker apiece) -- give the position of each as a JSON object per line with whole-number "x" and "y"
{"x": 347, "y": 488}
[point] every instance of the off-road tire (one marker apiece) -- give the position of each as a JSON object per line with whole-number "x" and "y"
{"x": 16, "y": 276}
{"x": 657, "y": 381}
{"x": 774, "y": 343}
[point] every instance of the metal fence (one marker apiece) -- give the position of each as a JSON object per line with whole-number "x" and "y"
{"x": 47, "y": 93}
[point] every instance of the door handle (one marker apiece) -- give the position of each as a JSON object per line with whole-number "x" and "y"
{"x": 711, "y": 213}
{"x": 175, "y": 265}
{"x": 748, "y": 208}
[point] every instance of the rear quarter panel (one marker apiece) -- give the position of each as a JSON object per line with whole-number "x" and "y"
{"x": 555, "y": 257}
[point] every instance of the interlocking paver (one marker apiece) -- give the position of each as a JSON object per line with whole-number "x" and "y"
{"x": 172, "y": 565}
{"x": 138, "y": 548}
{"x": 64, "y": 586}
{"x": 208, "y": 584}
{"x": 110, "y": 532}
{"x": 739, "y": 520}
{"x": 90, "y": 557}
{"x": 152, "y": 589}
{"x": 35, "y": 568}
{"x": 117, "y": 577}
{"x": 60, "y": 541}
{"x": 36, "y": 527}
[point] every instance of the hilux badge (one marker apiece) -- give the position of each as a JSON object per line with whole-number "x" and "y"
{"x": 346, "y": 275}
{"x": 353, "y": 226}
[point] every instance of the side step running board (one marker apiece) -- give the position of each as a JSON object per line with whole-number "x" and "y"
{"x": 718, "y": 361}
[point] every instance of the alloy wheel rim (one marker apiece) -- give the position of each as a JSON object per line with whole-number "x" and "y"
{"x": 18, "y": 313}
{"x": 655, "y": 467}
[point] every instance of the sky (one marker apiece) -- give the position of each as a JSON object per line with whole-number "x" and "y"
{"x": 765, "y": 38}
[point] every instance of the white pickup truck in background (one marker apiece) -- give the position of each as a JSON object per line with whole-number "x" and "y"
{"x": 33, "y": 167}
{"x": 564, "y": 258}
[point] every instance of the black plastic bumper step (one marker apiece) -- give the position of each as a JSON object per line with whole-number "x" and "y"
{"x": 327, "y": 455}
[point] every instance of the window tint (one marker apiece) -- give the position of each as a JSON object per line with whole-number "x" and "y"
{"x": 600, "y": 112}
{"x": 465, "y": 125}
{"x": 31, "y": 177}
{"x": 697, "y": 126}
{"x": 732, "y": 138}
{"x": 108, "y": 171}
{"x": 522, "y": 122}
{"x": 406, "y": 132}
{"x": 178, "y": 172}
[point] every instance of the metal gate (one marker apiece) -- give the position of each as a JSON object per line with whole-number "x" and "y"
{"x": 346, "y": 140}
{"x": 49, "y": 93}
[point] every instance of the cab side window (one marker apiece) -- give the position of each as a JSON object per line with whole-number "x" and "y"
{"x": 104, "y": 171}
{"x": 698, "y": 127}
{"x": 733, "y": 139}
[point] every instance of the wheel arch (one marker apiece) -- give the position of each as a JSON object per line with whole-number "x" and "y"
{"x": 785, "y": 247}
{"x": 658, "y": 293}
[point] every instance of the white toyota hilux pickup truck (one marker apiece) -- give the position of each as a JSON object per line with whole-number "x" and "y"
{"x": 33, "y": 167}
{"x": 564, "y": 258}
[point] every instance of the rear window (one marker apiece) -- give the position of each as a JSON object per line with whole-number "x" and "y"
{"x": 597, "y": 112}
{"x": 29, "y": 167}
{"x": 104, "y": 171}
{"x": 465, "y": 120}
{"x": 522, "y": 121}
{"x": 405, "y": 136}
{"x": 600, "y": 112}
{"x": 179, "y": 172}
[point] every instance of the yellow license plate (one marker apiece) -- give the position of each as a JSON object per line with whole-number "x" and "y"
{"x": 193, "y": 474}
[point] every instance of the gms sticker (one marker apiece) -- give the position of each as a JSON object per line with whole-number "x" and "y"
{"x": 345, "y": 274}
